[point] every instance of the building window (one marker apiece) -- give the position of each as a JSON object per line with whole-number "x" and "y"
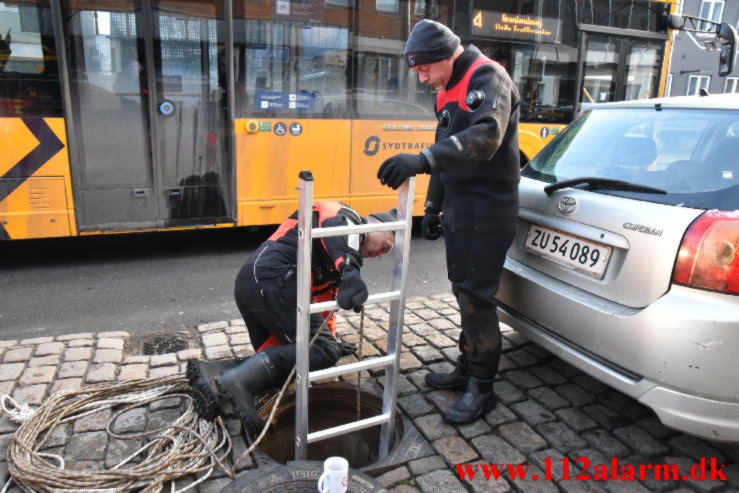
{"x": 732, "y": 84}
{"x": 696, "y": 83}
{"x": 711, "y": 10}
{"x": 668, "y": 86}
{"x": 340, "y": 3}
{"x": 433, "y": 8}
{"x": 388, "y": 6}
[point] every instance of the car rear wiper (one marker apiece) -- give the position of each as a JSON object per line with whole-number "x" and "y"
{"x": 601, "y": 184}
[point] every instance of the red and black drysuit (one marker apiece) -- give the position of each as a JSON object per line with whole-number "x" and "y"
{"x": 474, "y": 167}
{"x": 266, "y": 287}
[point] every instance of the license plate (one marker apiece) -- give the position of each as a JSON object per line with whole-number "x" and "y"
{"x": 570, "y": 251}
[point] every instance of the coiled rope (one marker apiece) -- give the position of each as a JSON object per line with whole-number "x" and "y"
{"x": 170, "y": 453}
{"x": 188, "y": 446}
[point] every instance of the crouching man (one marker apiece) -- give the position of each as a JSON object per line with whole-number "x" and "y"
{"x": 266, "y": 295}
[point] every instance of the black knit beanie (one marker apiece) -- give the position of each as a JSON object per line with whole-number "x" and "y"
{"x": 430, "y": 42}
{"x": 385, "y": 217}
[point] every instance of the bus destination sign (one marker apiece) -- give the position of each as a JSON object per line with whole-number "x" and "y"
{"x": 486, "y": 23}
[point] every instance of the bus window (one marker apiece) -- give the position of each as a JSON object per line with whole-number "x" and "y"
{"x": 29, "y": 76}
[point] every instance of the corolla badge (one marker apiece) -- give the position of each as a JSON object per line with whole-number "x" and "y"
{"x": 567, "y": 205}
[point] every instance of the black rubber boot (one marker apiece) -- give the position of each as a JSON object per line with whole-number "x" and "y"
{"x": 243, "y": 382}
{"x": 206, "y": 397}
{"x": 455, "y": 380}
{"x": 476, "y": 401}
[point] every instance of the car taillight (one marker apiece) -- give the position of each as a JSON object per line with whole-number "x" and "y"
{"x": 709, "y": 254}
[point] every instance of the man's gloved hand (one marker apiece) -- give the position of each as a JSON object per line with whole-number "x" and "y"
{"x": 397, "y": 169}
{"x": 431, "y": 224}
{"x": 347, "y": 348}
{"x": 352, "y": 290}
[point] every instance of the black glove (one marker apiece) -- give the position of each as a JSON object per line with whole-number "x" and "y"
{"x": 396, "y": 170}
{"x": 347, "y": 348}
{"x": 431, "y": 224}
{"x": 352, "y": 290}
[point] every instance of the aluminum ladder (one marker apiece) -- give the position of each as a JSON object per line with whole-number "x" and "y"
{"x": 391, "y": 361}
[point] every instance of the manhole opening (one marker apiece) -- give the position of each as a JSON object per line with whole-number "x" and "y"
{"x": 330, "y": 405}
{"x": 164, "y": 343}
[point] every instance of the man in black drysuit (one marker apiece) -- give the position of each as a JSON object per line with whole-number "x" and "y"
{"x": 266, "y": 295}
{"x": 472, "y": 196}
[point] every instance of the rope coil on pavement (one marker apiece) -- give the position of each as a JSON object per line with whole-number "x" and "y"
{"x": 188, "y": 446}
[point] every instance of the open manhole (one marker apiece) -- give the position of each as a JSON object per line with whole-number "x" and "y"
{"x": 164, "y": 343}
{"x": 330, "y": 405}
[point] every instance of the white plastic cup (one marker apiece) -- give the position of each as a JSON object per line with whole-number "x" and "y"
{"x": 335, "y": 476}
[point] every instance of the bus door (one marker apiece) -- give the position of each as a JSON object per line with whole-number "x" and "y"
{"x": 149, "y": 134}
{"x": 617, "y": 68}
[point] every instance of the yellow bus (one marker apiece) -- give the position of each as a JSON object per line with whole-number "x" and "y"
{"x": 145, "y": 115}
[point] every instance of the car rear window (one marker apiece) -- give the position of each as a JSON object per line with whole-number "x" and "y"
{"x": 691, "y": 154}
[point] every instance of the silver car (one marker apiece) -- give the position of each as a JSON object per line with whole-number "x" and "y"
{"x": 626, "y": 261}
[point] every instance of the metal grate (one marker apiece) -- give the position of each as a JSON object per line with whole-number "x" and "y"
{"x": 163, "y": 343}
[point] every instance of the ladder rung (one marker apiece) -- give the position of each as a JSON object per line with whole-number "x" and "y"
{"x": 356, "y": 228}
{"x": 374, "y": 298}
{"x": 348, "y": 428}
{"x": 335, "y": 371}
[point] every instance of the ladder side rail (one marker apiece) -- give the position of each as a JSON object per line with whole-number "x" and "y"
{"x": 305, "y": 226}
{"x": 397, "y": 307}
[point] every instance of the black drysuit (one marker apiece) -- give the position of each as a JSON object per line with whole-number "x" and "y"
{"x": 266, "y": 287}
{"x": 475, "y": 173}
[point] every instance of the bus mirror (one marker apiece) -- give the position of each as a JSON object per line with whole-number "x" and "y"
{"x": 727, "y": 37}
{"x": 676, "y": 21}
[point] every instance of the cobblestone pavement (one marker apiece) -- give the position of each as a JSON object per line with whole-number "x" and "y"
{"x": 550, "y": 415}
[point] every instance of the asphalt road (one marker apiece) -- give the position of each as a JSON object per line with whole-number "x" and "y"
{"x": 153, "y": 282}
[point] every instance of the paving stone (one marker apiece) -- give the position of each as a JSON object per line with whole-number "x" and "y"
{"x": 80, "y": 343}
{"x": 93, "y": 422}
{"x": 33, "y": 395}
{"x": 521, "y": 436}
{"x": 157, "y": 360}
{"x": 394, "y": 476}
{"x": 476, "y": 428}
{"x": 38, "y": 374}
{"x": 72, "y": 369}
{"x": 606, "y": 443}
{"x": 548, "y": 375}
{"x": 495, "y": 450}
{"x": 101, "y": 372}
{"x": 35, "y": 340}
{"x": 108, "y": 356}
{"x": 164, "y": 371}
{"x": 624, "y": 405}
{"x": 641, "y": 441}
{"x": 523, "y": 358}
{"x": 507, "y": 393}
{"x": 133, "y": 372}
{"x": 695, "y": 448}
{"x": 454, "y": 450}
{"x": 532, "y": 412}
{"x": 131, "y": 421}
{"x": 577, "y": 395}
{"x": 523, "y": 379}
{"x": 88, "y": 446}
{"x": 11, "y": 371}
{"x": 48, "y": 348}
{"x": 499, "y": 415}
{"x": 433, "y": 427}
{"x": 575, "y": 419}
{"x": 438, "y": 481}
{"x": 118, "y": 450}
{"x": 16, "y": 355}
{"x": 605, "y": 417}
{"x": 427, "y": 464}
{"x": 443, "y": 399}
{"x": 218, "y": 352}
{"x": 548, "y": 398}
{"x": 66, "y": 384}
{"x": 50, "y": 360}
{"x": 560, "y": 436}
{"x": 643, "y": 471}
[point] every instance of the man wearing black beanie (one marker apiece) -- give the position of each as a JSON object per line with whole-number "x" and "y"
{"x": 472, "y": 198}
